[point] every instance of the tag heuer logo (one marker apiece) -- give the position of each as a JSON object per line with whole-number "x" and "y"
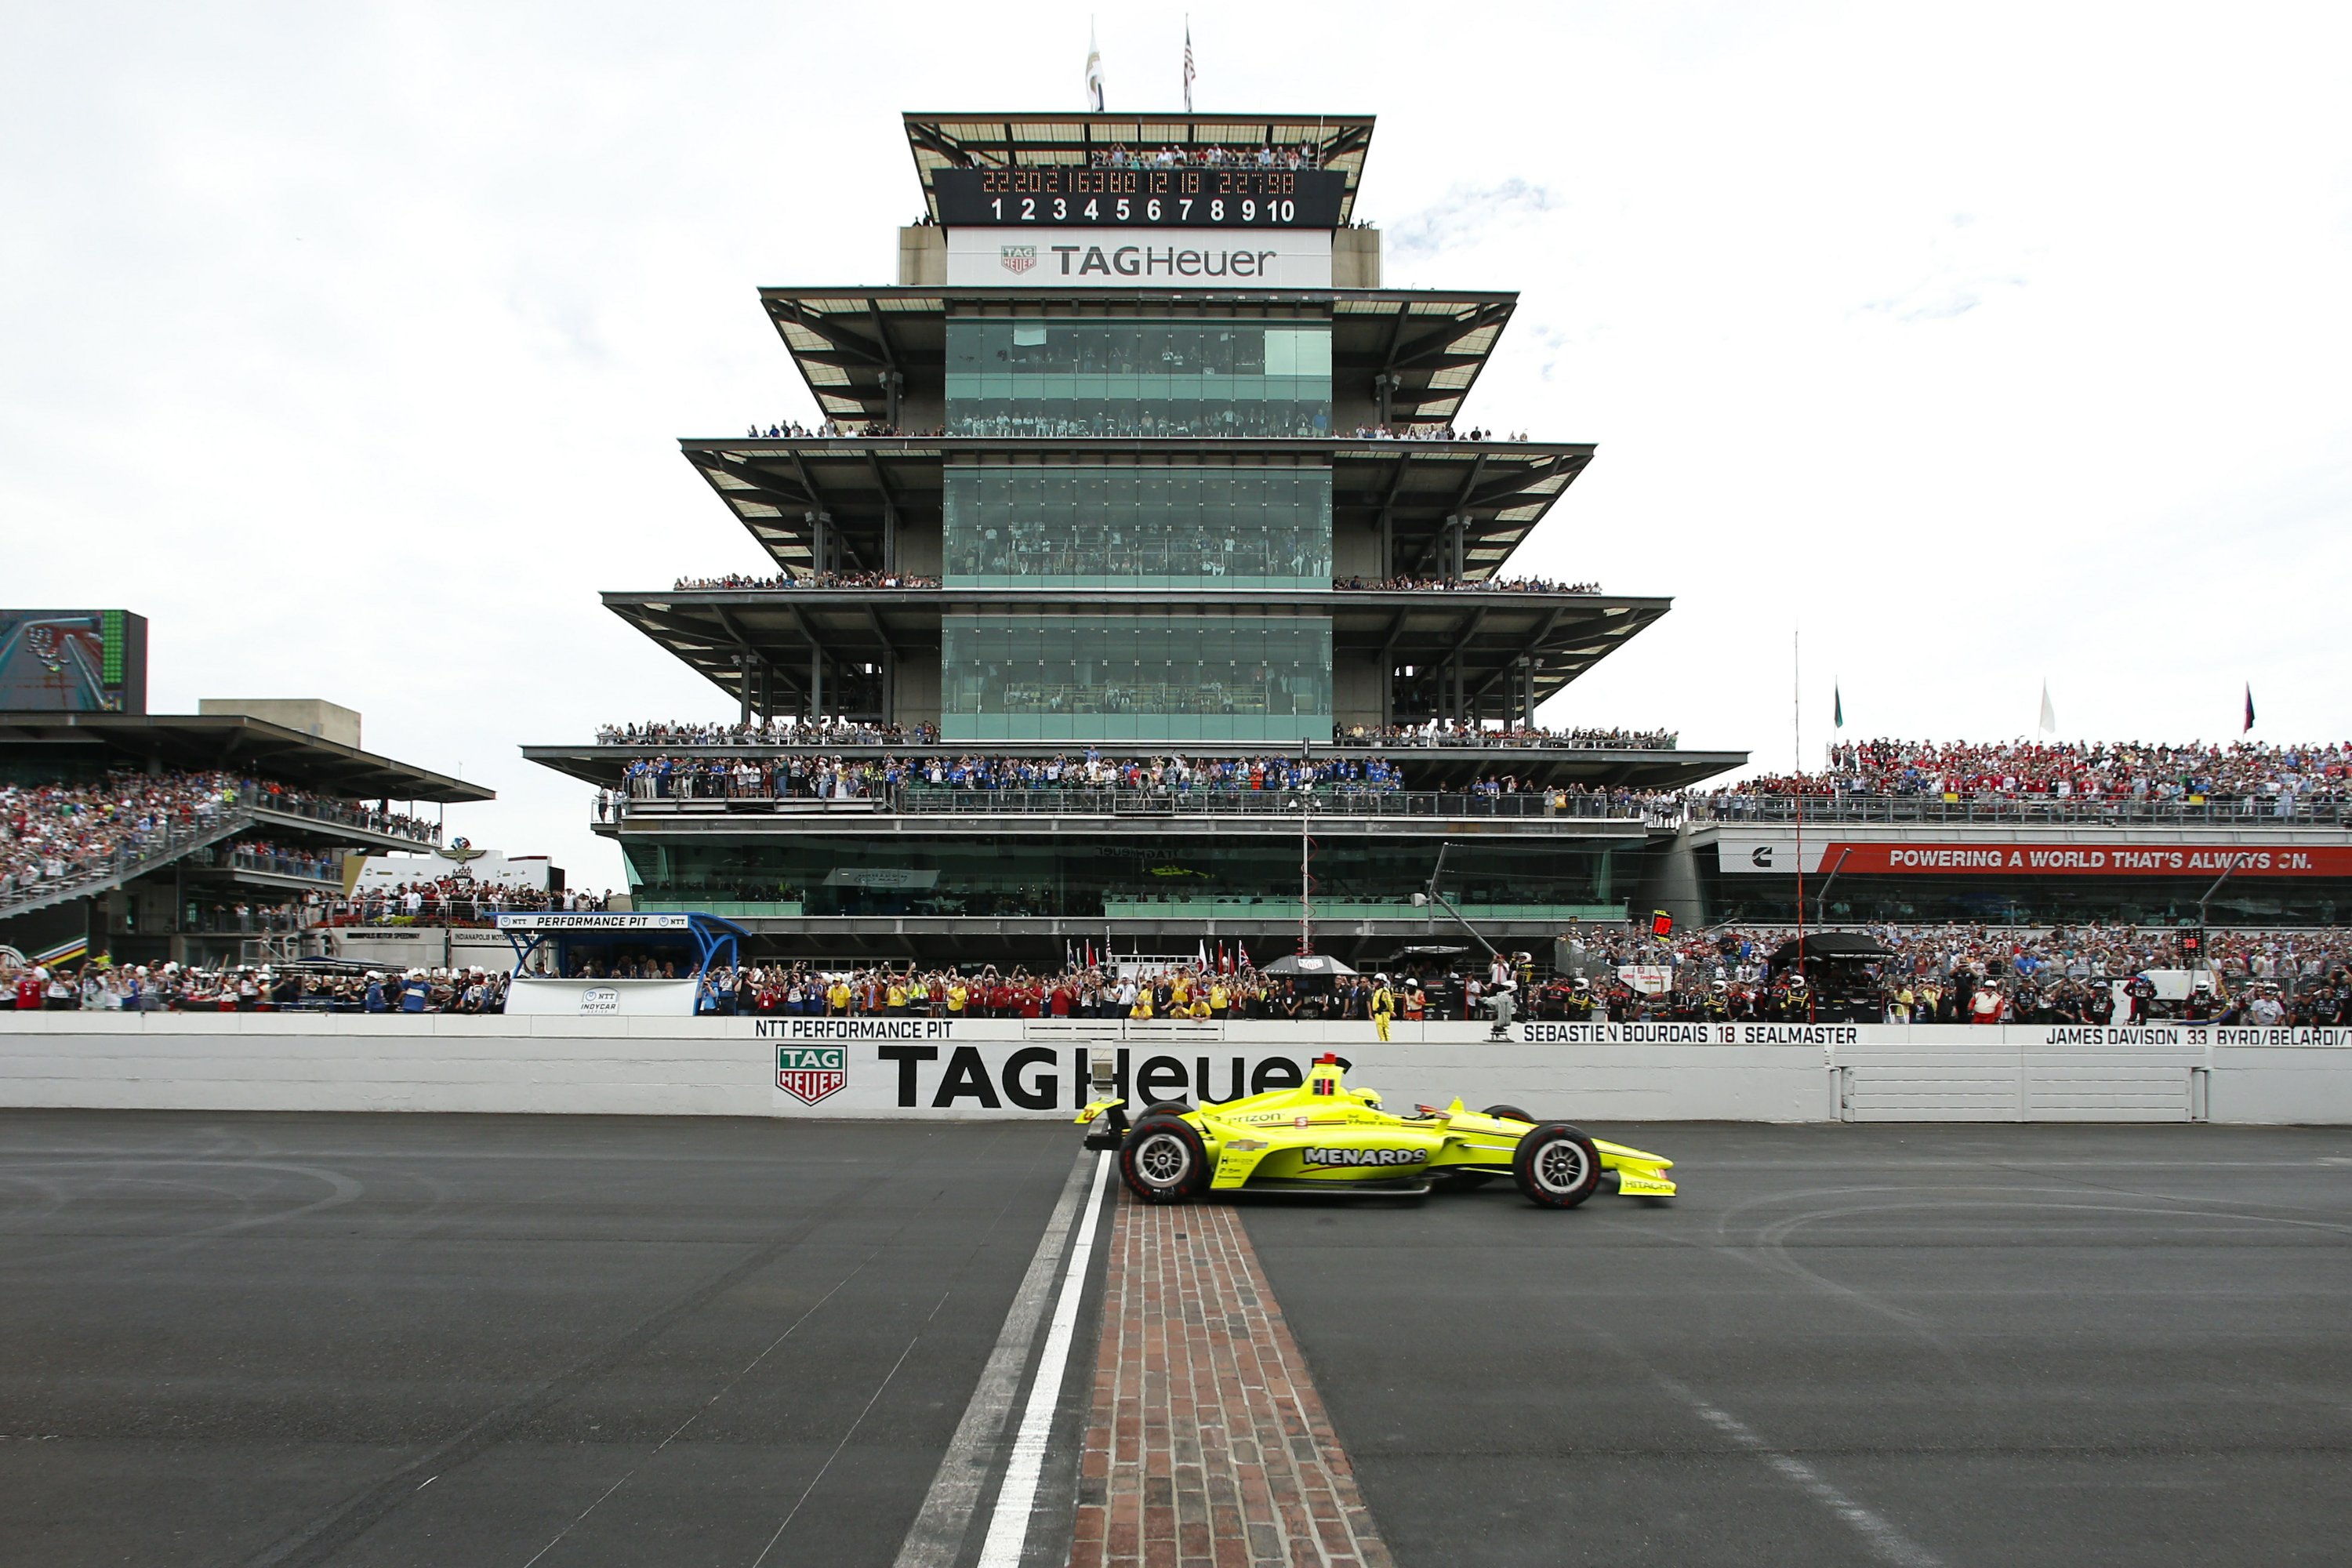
{"x": 1018, "y": 257}
{"x": 809, "y": 1073}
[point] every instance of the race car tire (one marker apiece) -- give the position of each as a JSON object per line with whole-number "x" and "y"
{"x": 1509, "y": 1112}
{"x": 1163, "y": 1159}
{"x": 1556, "y": 1165}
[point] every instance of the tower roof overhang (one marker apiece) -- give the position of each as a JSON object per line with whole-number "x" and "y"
{"x": 1431, "y": 344}
{"x": 982, "y": 139}
{"x": 230, "y": 742}
{"x": 780, "y": 488}
{"x": 732, "y": 636}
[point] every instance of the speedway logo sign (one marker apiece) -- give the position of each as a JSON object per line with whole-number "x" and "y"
{"x": 810, "y": 1073}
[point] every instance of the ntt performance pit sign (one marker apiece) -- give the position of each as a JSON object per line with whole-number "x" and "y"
{"x": 1164, "y": 259}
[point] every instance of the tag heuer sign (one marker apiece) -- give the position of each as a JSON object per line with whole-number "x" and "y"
{"x": 809, "y": 1073}
{"x": 1019, "y": 259}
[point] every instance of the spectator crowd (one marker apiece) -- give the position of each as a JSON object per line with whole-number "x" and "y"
{"x": 2092, "y": 772}
{"x": 54, "y": 835}
{"x": 452, "y": 900}
{"x": 783, "y": 729}
{"x": 810, "y": 580}
{"x": 1961, "y": 974}
{"x": 846, "y": 778}
{"x": 1463, "y": 585}
{"x": 103, "y": 987}
{"x": 787, "y": 731}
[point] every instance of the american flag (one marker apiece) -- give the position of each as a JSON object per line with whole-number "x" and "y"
{"x": 1189, "y": 72}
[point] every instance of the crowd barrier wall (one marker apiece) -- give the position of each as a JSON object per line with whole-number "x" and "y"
{"x": 969, "y": 1068}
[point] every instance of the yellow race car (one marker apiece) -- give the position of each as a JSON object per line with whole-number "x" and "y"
{"x": 1323, "y": 1136}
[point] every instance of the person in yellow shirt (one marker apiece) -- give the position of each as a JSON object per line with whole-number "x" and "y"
{"x": 895, "y": 997}
{"x": 957, "y": 997}
{"x": 837, "y": 997}
{"x": 1383, "y": 1004}
{"x": 1180, "y": 992}
{"x": 1142, "y": 1008}
{"x": 1221, "y": 1001}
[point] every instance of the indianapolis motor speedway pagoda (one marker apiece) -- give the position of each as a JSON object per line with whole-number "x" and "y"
{"x": 1149, "y": 383}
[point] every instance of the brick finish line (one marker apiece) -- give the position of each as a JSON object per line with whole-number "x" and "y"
{"x": 1207, "y": 1444}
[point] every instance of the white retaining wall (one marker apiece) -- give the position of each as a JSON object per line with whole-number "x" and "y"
{"x": 968, "y": 1068}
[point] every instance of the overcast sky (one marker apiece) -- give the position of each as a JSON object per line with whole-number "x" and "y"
{"x": 351, "y": 344}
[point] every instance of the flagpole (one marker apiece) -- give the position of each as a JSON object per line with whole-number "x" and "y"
{"x": 1797, "y": 741}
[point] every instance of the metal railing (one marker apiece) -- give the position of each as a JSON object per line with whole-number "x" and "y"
{"x": 390, "y": 825}
{"x": 926, "y": 801}
{"x": 94, "y": 874}
{"x": 308, "y": 867}
{"x": 2236, "y": 812}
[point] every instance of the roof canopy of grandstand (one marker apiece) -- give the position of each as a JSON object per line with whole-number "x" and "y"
{"x": 734, "y": 635}
{"x": 1000, "y": 139}
{"x": 235, "y": 742}
{"x": 779, "y": 487}
{"x": 1431, "y": 343}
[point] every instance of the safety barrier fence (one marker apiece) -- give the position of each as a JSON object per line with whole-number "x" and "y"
{"x": 951, "y": 802}
{"x": 1596, "y": 1075}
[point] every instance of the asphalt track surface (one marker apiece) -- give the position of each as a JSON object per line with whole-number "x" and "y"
{"x": 408, "y": 1340}
{"x": 393, "y": 1339}
{"x": 1853, "y": 1345}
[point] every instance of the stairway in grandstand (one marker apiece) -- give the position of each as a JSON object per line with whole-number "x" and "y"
{"x": 58, "y": 889}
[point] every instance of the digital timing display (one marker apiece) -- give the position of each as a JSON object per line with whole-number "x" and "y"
{"x": 1065, "y": 196}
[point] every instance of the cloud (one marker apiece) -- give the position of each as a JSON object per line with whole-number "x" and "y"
{"x": 1465, "y": 212}
{"x": 1964, "y": 268}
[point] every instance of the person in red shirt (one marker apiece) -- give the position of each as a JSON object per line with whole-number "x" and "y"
{"x": 29, "y": 990}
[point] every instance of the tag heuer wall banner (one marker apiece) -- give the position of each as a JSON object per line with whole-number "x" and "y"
{"x": 1163, "y": 258}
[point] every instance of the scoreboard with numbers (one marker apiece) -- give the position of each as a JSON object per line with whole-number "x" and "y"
{"x": 1068, "y": 195}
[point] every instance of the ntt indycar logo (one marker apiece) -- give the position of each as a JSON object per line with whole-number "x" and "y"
{"x": 1365, "y": 1157}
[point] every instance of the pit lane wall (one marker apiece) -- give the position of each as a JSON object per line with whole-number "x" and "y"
{"x": 926, "y": 1069}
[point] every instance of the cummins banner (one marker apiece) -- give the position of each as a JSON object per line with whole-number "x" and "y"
{"x": 1751, "y": 854}
{"x": 1164, "y": 259}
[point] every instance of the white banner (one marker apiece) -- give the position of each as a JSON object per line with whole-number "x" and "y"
{"x": 1164, "y": 259}
{"x": 602, "y": 998}
{"x": 551, "y": 921}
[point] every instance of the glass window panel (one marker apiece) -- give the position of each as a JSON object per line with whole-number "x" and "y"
{"x": 1136, "y": 379}
{"x": 1085, "y": 677}
{"x": 1137, "y": 528}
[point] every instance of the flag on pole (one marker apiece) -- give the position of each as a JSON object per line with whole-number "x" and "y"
{"x": 1094, "y": 71}
{"x": 1202, "y": 962}
{"x": 2048, "y": 714}
{"x": 1837, "y": 707}
{"x": 2250, "y": 709}
{"x": 1188, "y": 64}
